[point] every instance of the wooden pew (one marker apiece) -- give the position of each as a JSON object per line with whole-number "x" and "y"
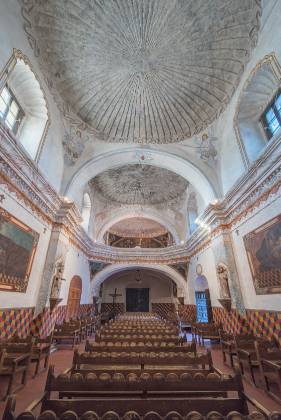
{"x": 227, "y": 346}
{"x": 208, "y": 332}
{"x": 89, "y": 361}
{"x": 138, "y": 338}
{"x": 41, "y": 351}
{"x": 14, "y": 360}
{"x": 269, "y": 360}
{"x": 138, "y": 347}
{"x": 143, "y": 406}
{"x": 246, "y": 353}
{"x": 137, "y": 383}
{"x": 66, "y": 332}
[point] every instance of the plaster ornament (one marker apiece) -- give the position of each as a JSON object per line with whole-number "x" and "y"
{"x": 142, "y": 71}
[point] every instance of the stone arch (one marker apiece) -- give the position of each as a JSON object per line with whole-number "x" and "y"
{"x": 100, "y": 277}
{"x": 187, "y": 169}
{"x": 74, "y": 297}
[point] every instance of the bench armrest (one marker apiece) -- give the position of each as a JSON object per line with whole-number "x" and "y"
{"x": 257, "y": 405}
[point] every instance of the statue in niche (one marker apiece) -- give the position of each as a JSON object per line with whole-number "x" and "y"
{"x": 57, "y": 279}
{"x": 223, "y": 280}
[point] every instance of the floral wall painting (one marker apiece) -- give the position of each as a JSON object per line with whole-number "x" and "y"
{"x": 18, "y": 245}
{"x": 263, "y": 247}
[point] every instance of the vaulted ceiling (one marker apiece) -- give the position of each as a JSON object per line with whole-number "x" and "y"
{"x": 141, "y": 70}
{"x": 137, "y": 227}
{"x": 139, "y": 184}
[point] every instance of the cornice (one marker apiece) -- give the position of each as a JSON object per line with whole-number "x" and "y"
{"x": 20, "y": 175}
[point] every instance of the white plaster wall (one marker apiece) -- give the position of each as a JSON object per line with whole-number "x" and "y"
{"x": 160, "y": 289}
{"x": 251, "y": 300}
{"x": 12, "y": 36}
{"x": 76, "y": 264}
{"x": 268, "y": 42}
{"x": 206, "y": 259}
{"x": 17, "y": 209}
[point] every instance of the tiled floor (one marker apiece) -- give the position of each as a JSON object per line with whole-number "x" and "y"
{"x": 62, "y": 360}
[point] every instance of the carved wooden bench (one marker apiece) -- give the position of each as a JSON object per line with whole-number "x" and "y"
{"x": 139, "y": 346}
{"x": 247, "y": 355}
{"x": 14, "y": 360}
{"x": 269, "y": 360}
{"x": 109, "y": 414}
{"x": 67, "y": 333}
{"x": 89, "y": 361}
{"x": 202, "y": 396}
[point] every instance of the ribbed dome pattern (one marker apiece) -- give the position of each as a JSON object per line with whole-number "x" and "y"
{"x": 147, "y": 71}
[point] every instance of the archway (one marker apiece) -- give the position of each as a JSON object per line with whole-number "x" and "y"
{"x": 187, "y": 169}
{"x": 202, "y": 299}
{"x": 74, "y": 296}
{"x": 124, "y": 214}
{"x": 101, "y": 276}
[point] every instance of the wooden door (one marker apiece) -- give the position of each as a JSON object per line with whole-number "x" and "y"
{"x": 74, "y": 296}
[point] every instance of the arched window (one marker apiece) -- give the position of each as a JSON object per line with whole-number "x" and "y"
{"x": 254, "y": 122}
{"x": 86, "y": 211}
{"x": 23, "y": 106}
{"x": 202, "y": 298}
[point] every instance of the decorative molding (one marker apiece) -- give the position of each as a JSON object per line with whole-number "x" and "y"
{"x": 252, "y": 191}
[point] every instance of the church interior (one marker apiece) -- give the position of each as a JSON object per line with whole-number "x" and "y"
{"x": 140, "y": 209}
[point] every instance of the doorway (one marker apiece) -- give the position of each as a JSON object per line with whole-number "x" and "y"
{"x": 137, "y": 300}
{"x": 74, "y": 296}
{"x": 203, "y": 306}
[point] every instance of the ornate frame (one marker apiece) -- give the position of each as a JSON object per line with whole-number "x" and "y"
{"x": 17, "y": 285}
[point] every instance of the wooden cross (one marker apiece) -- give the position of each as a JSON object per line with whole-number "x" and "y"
{"x": 114, "y": 296}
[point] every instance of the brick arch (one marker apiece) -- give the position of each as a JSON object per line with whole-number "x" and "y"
{"x": 74, "y": 297}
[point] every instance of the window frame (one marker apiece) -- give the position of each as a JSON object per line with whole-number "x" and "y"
{"x": 20, "y": 114}
{"x": 277, "y": 114}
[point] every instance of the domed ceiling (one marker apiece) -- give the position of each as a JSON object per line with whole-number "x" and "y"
{"x": 138, "y": 227}
{"x": 139, "y": 184}
{"x": 141, "y": 70}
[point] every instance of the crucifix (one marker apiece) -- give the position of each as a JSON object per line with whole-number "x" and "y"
{"x": 114, "y": 296}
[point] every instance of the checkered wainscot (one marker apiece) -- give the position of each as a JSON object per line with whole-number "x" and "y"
{"x": 16, "y": 320}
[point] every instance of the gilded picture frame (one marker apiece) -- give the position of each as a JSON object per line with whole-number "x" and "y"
{"x": 263, "y": 248}
{"x": 18, "y": 244}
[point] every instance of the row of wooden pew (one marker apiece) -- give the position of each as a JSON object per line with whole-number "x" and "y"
{"x": 17, "y": 354}
{"x": 109, "y": 381}
{"x": 253, "y": 355}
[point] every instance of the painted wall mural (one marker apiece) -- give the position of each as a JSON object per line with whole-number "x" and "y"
{"x": 17, "y": 249}
{"x": 263, "y": 247}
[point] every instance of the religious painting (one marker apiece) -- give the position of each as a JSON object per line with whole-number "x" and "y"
{"x": 137, "y": 300}
{"x": 18, "y": 245}
{"x": 263, "y": 247}
{"x": 96, "y": 267}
